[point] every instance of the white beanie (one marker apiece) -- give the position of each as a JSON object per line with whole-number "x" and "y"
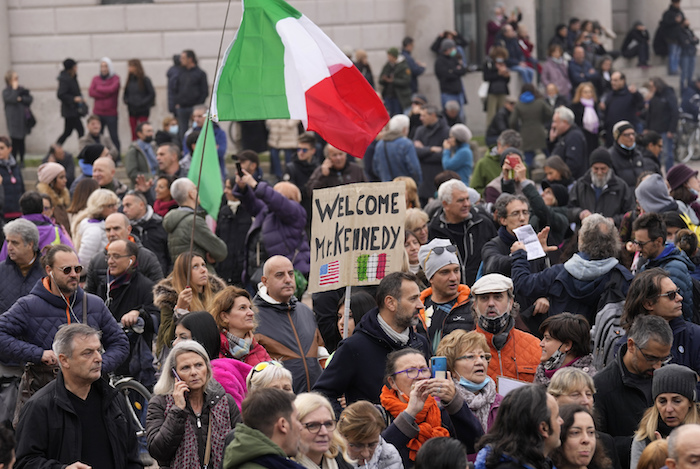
{"x": 431, "y": 261}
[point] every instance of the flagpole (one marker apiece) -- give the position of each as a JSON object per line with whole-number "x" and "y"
{"x": 204, "y": 145}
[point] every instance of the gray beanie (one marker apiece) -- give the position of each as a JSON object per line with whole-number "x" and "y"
{"x": 431, "y": 261}
{"x": 446, "y": 45}
{"x": 652, "y": 195}
{"x": 676, "y": 379}
{"x": 461, "y": 132}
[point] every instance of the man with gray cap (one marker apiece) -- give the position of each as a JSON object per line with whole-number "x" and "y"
{"x": 600, "y": 190}
{"x": 567, "y": 141}
{"x": 515, "y": 354}
{"x": 446, "y": 300}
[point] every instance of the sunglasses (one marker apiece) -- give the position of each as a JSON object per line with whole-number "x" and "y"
{"x": 262, "y": 365}
{"x": 303, "y": 150}
{"x": 671, "y": 294}
{"x": 439, "y": 250}
{"x": 66, "y": 270}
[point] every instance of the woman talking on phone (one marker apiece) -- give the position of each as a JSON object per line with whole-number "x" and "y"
{"x": 187, "y": 419}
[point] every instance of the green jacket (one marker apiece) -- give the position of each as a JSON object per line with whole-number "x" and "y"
{"x": 401, "y": 85}
{"x": 486, "y": 170}
{"x": 135, "y": 163}
{"x": 178, "y": 224}
{"x": 247, "y": 445}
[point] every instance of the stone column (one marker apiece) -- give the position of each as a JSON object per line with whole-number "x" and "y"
{"x": 649, "y": 13}
{"x": 600, "y": 10}
{"x": 5, "y": 56}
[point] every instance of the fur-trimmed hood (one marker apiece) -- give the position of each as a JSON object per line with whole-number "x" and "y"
{"x": 164, "y": 294}
{"x": 62, "y": 198}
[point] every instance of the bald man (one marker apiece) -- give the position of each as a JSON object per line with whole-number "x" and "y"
{"x": 103, "y": 171}
{"x": 287, "y": 327}
{"x": 684, "y": 447}
{"x": 117, "y": 227}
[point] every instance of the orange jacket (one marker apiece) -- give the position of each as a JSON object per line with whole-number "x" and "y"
{"x": 519, "y": 357}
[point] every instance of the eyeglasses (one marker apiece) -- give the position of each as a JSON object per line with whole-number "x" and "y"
{"x": 303, "y": 150}
{"x": 523, "y": 213}
{"x": 671, "y": 294}
{"x": 628, "y": 134}
{"x": 115, "y": 256}
{"x": 470, "y": 357}
{"x": 439, "y": 250}
{"x": 413, "y": 373}
{"x": 653, "y": 359}
{"x": 66, "y": 270}
{"x": 315, "y": 427}
{"x": 262, "y": 365}
{"x": 641, "y": 243}
{"x": 363, "y": 446}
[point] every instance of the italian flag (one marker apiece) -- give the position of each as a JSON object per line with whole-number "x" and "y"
{"x": 282, "y": 66}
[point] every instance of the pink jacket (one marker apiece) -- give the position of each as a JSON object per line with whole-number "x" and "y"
{"x": 106, "y": 94}
{"x": 231, "y": 374}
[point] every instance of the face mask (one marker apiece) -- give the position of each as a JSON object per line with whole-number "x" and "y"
{"x": 555, "y": 361}
{"x": 453, "y": 52}
{"x": 148, "y": 139}
{"x": 494, "y": 325}
{"x": 694, "y": 192}
{"x": 174, "y": 129}
{"x": 628, "y": 148}
{"x": 194, "y": 125}
{"x": 473, "y": 387}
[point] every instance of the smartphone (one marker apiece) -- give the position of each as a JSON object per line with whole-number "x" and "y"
{"x": 238, "y": 169}
{"x": 438, "y": 366}
{"x": 177, "y": 378}
{"x": 513, "y": 160}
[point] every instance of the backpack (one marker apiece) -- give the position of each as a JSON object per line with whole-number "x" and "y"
{"x": 606, "y": 332}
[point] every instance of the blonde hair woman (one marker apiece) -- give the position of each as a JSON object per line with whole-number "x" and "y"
{"x": 412, "y": 200}
{"x": 270, "y": 374}
{"x": 417, "y": 222}
{"x": 88, "y": 227}
{"x": 323, "y": 446}
{"x": 361, "y": 425}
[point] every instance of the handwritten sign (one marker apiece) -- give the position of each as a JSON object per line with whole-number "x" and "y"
{"x": 357, "y": 234}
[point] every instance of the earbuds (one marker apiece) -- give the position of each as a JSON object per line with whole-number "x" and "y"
{"x": 131, "y": 261}
{"x": 51, "y": 274}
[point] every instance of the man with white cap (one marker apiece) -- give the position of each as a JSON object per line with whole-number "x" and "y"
{"x": 515, "y": 353}
{"x": 446, "y": 300}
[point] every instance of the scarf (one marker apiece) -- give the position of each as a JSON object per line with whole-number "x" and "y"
{"x": 326, "y": 462}
{"x": 401, "y": 338}
{"x": 590, "y": 117}
{"x": 147, "y": 150}
{"x": 429, "y": 420}
{"x": 237, "y": 347}
{"x": 162, "y": 207}
{"x": 479, "y": 403}
{"x": 187, "y": 455}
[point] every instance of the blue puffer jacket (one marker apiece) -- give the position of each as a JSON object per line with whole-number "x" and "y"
{"x": 14, "y": 284}
{"x": 36, "y": 318}
{"x": 679, "y": 267}
{"x": 686, "y": 345}
{"x": 282, "y": 222}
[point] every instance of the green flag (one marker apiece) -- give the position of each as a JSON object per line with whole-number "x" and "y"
{"x": 211, "y": 189}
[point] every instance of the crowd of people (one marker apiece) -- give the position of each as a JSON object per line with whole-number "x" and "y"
{"x": 582, "y": 353}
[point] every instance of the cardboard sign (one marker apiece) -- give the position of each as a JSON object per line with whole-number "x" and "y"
{"x": 357, "y": 234}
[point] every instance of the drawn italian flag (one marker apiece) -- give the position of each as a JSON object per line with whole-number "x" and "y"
{"x": 371, "y": 266}
{"x": 282, "y": 66}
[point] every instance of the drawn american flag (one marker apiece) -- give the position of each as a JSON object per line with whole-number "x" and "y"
{"x": 329, "y": 273}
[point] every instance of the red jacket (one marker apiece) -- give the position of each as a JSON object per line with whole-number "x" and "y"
{"x": 256, "y": 355}
{"x": 519, "y": 357}
{"x": 106, "y": 94}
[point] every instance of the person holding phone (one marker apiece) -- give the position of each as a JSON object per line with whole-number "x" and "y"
{"x": 187, "y": 419}
{"x": 410, "y": 398}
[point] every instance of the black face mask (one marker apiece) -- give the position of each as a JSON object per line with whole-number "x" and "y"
{"x": 494, "y": 325}
{"x": 148, "y": 139}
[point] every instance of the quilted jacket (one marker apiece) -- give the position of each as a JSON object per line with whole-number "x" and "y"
{"x": 14, "y": 284}
{"x": 36, "y": 318}
{"x": 518, "y": 358}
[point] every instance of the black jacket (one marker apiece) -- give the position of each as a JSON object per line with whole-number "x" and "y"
{"x": 49, "y": 432}
{"x": 499, "y": 123}
{"x": 620, "y": 401}
{"x": 430, "y": 163}
{"x": 68, "y": 89}
{"x": 154, "y": 238}
{"x": 628, "y": 164}
{"x": 97, "y": 269}
{"x": 620, "y": 105}
{"x": 232, "y": 228}
{"x": 671, "y": 27}
{"x": 449, "y": 72}
{"x": 357, "y": 367}
{"x": 572, "y": 148}
{"x": 662, "y": 115}
{"x": 498, "y": 84}
{"x": 616, "y": 199}
{"x": 191, "y": 87}
{"x": 477, "y": 231}
{"x": 139, "y": 100}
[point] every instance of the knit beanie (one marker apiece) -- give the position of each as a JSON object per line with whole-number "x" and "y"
{"x": 621, "y": 127}
{"x": 47, "y": 172}
{"x": 560, "y": 192}
{"x": 446, "y": 45}
{"x": 678, "y": 175}
{"x": 510, "y": 151}
{"x": 676, "y": 379}
{"x": 90, "y": 153}
{"x": 461, "y": 132}
{"x": 69, "y": 63}
{"x": 600, "y": 155}
{"x": 431, "y": 261}
{"x": 652, "y": 194}
{"x": 393, "y": 51}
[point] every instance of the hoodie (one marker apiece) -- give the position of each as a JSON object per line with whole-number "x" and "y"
{"x": 105, "y": 90}
{"x": 652, "y": 195}
{"x": 248, "y": 445}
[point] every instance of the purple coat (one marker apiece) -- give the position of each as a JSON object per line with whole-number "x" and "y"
{"x": 48, "y": 234}
{"x": 282, "y": 221}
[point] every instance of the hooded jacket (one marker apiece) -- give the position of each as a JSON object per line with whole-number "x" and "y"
{"x": 615, "y": 200}
{"x": 486, "y": 170}
{"x": 288, "y": 332}
{"x": 662, "y": 114}
{"x": 49, "y": 434}
{"x": 49, "y": 234}
{"x": 572, "y": 148}
{"x": 29, "y": 326}
{"x": 357, "y": 368}
{"x": 249, "y": 444}
{"x": 529, "y": 116}
{"x": 679, "y": 267}
{"x": 178, "y": 224}
{"x": 396, "y": 156}
{"x": 576, "y": 286}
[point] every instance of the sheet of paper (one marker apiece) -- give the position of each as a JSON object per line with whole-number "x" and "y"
{"x": 526, "y": 235}
{"x": 506, "y": 385}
